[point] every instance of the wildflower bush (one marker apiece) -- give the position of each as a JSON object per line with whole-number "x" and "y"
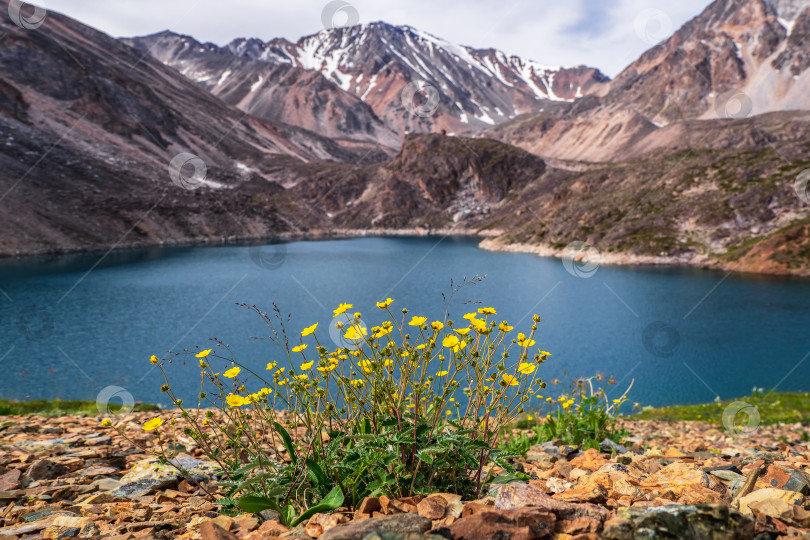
{"x": 408, "y": 406}
{"x": 582, "y": 417}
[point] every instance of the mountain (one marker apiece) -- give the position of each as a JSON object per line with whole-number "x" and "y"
{"x": 274, "y": 92}
{"x": 413, "y": 81}
{"x": 738, "y": 58}
{"x": 89, "y": 128}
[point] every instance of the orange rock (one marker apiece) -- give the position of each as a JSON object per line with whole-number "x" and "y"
{"x": 591, "y": 460}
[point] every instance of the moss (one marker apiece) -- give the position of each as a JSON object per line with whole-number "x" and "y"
{"x": 58, "y": 407}
{"x": 773, "y": 408}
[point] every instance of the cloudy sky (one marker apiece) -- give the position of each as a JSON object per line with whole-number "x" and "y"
{"x": 608, "y": 34}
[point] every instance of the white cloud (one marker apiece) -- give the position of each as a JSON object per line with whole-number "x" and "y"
{"x": 600, "y": 33}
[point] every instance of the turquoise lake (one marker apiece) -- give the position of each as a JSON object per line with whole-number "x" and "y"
{"x": 72, "y": 325}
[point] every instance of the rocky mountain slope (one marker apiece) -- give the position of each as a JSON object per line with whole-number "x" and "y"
{"x": 89, "y": 128}
{"x": 277, "y": 92}
{"x": 452, "y": 87}
{"x": 737, "y": 59}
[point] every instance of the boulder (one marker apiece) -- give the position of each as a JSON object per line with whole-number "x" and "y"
{"x": 690, "y": 522}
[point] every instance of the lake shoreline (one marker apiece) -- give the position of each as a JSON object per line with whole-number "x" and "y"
{"x": 490, "y": 240}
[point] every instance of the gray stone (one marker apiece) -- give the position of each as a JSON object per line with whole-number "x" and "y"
{"x": 693, "y": 522}
{"x": 396, "y": 524}
{"x": 403, "y": 536}
{"x": 141, "y": 488}
{"x": 43, "y": 469}
{"x": 728, "y": 476}
{"x": 609, "y": 446}
{"x": 47, "y": 511}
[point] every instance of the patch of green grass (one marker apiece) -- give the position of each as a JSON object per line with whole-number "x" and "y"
{"x": 773, "y": 408}
{"x": 58, "y": 407}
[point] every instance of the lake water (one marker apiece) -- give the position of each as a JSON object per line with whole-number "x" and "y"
{"x": 71, "y": 326}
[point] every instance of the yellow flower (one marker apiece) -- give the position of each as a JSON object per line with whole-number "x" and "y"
{"x": 452, "y": 342}
{"x": 203, "y": 364}
{"x": 234, "y": 400}
{"x": 282, "y": 382}
{"x": 437, "y": 325}
{"x": 299, "y": 348}
{"x": 469, "y": 316}
{"x": 301, "y": 377}
{"x": 442, "y": 373}
{"x": 231, "y": 373}
{"x": 265, "y": 391}
{"x": 309, "y": 330}
{"x": 526, "y": 369}
{"x": 354, "y": 334}
{"x": 523, "y": 341}
{"x": 567, "y": 404}
{"x": 206, "y": 421}
{"x": 342, "y": 308}
{"x": 417, "y": 321}
{"x": 503, "y": 327}
{"x": 357, "y": 382}
{"x": 529, "y": 418}
{"x": 326, "y": 369}
{"x": 405, "y": 354}
{"x": 106, "y": 422}
{"x": 307, "y": 365}
{"x": 487, "y": 311}
{"x": 545, "y": 353}
{"x": 271, "y": 365}
{"x": 203, "y": 354}
{"x": 461, "y": 331}
{"x": 447, "y": 413}
{"x": 379, "y": 332}
{"x": 387, "y": 302}
{"x": 154, "y": 423}
{"x": 421, "y": 346}
{"x": 478, "y": 325}
{"x": 617, "y": 401}
{"x": 510, "y": 380}
{"x": 153, "y": 359}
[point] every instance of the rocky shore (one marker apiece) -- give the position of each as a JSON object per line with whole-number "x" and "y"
{"x": 68, "y": 477}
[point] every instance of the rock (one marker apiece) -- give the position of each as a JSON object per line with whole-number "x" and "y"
{"x": 570, "y": 517}
{"x": 432, "y": 507}
{"x": 272, "y": 528}
{"x": 211, "y": 531}
{"x": 591, "y": 460}
{"x": 716, "y": 522}
{"x": 397, "y": 523}
{"x": 678, "y": 477}
{"x": 45, "y": 512}
{"x": 592, "y": 493}
{"x": 369, "y": 505}
{"x": 624, "y": 459}
{"x": 790, "y": 497}
{"x": 776, "y": 476}
{"x": 516, "y": 524}
{"x": 779, "y": 509}
{"x": 558, "y": 485}
{"x": 141, "y": 488}
{"x": 403, "y": 536}
{"x": 609, "y": 446}
{"x": 320, "y": 523}
{"x": 43, "y": 469}
{"x": 10, "y": 479}
{"x": 728, "y": 476}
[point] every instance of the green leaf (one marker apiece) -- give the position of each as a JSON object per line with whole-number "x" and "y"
{"x": 334, "y": 499}
{"x": 316, "y": 472}
{"x": 288, "y": 444}
{"x": 255, "y": 504}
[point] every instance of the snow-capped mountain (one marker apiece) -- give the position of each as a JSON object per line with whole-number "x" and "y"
{"x": 412, "y": 80}
{"x": 737, "y": 58}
